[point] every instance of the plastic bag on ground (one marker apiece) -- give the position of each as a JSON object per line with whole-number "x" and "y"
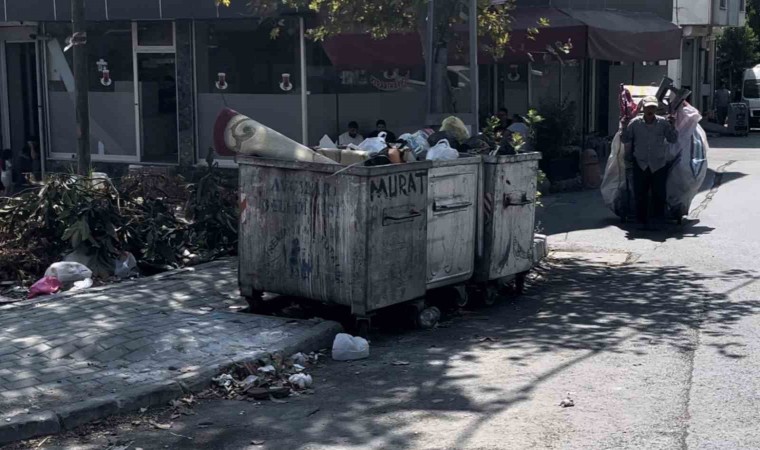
{"x": 68, "y": 272}
{"x": 456, "y": 128}
{"x": 301, "y": 380}
{"x": 349, "y": 348}
{"x": 125, "y": 266}
{"x": 45, "y": 286}
{"x": 374, "y": 145}
{"x": 442, "y": 151}
{"x": 82, "y": 285}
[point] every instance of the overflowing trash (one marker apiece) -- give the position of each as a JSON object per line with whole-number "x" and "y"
{"x": 269, "y": 379}
{"x": 349, "y": 348}
{"x": 235, "y": 133}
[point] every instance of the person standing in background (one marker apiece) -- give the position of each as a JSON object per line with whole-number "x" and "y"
{"x": 649, "y": 135}
{"x": 722, "y": 102}
{"x": 351, "y": 136}
{"x": 381, "y": 127}
{"x": 504, "y": 121}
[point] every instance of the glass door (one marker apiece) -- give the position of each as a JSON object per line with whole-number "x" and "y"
{"x": 155, "y": 66}
{"x": 158, "y": 107}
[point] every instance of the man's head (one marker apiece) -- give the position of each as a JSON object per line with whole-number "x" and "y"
{"x": 381, "y": 125}
{"x": 502, "y": 114}
{"x": 650, "y": 107}
{"x": 353, "y": 128}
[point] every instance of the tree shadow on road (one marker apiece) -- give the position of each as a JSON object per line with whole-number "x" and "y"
{"x": 580, "y": 310}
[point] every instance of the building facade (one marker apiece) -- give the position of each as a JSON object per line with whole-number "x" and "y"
{"x": 160, "y": 71}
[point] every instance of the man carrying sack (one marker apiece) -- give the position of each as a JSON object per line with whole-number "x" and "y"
{"x": 648, "y": 136}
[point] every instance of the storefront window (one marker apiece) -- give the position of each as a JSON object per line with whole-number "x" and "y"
{"x": 365, "y": 95}
{"x": 111, "y": 98}
{"x": 240, "y": 66}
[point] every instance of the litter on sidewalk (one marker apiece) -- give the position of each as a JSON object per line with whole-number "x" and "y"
{"x": 266, "y": 380}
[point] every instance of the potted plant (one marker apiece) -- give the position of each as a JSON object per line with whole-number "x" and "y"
{"x": 555, "y": 137}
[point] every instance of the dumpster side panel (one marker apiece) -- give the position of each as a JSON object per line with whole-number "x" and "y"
{"x": 396, "y": 249}
{"x": 509, "y": 208}
{"x": 515, "y": 205}
{"x": 452, "y": 213}
{"x": 302, "y": 234}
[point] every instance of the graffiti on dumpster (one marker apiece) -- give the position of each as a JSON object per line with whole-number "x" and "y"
{"x": 396, "y": 185}
{"x": 302, "y": 264}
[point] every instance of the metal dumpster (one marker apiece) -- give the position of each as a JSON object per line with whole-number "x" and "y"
{"x": 356, "y": 238}
{"x": 452, "y": 210}
{"x": 509, "y": 214}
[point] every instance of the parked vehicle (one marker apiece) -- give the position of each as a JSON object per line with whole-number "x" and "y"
{"x": 751, "y": 94}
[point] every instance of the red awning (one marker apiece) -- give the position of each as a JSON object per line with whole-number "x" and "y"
{"x": 361, "y": 51}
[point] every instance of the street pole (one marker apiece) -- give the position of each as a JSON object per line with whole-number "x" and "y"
{"x": 304, "y": 82}
{"x": 79, "y": 43}
{"x": 474, "y": 76}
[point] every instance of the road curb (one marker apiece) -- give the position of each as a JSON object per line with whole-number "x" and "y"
{"x": 68, "y": 417}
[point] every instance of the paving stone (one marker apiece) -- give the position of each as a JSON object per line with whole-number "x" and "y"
{"x": 134, "y": 331}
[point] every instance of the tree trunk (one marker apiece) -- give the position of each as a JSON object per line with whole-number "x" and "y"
{"x": 79, "y": 41}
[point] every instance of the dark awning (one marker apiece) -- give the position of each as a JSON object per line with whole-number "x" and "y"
{"x": 361, "y": 51}
{"x": 562, "y": 29}
{"x": 629, "y": 36}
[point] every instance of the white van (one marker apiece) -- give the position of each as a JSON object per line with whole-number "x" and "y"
{"x": 751, "y": 94}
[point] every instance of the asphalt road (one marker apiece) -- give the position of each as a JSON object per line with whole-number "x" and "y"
{"x": 655, "y": 336}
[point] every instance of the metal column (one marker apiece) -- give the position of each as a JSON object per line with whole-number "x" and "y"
{"x": 474, "y": 76}
{"x": 304, "y": 87}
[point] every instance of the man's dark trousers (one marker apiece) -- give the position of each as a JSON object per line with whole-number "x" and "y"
{"x": 646, "y": 184}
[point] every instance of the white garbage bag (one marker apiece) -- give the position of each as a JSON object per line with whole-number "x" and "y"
{"x": 375, "y": 144}
{"x": 349, "y": 348}
{"x": 442, "y": 151}
{"x": 617, "y": 192}
{"x": 68, "y": 272}
{"x": 689, "y": 167}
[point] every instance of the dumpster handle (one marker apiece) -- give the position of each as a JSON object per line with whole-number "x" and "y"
{"x": 398, "y": 217}
{"x": 448, "y": 207}
{"x": 508, "y": 201}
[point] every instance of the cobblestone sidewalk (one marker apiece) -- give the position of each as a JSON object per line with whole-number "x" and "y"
{"x": 76, "y": 358}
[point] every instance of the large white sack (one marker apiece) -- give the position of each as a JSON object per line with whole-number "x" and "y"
{"x": 689, "y": 167}
{"x": 616, "y": 192}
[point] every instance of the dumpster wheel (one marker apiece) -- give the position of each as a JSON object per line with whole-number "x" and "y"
{"x": 426, "y": 317}
{"x": 363, "y": 326}
{"x": 256, "y": 303}
{"x": 520, "y": 282}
